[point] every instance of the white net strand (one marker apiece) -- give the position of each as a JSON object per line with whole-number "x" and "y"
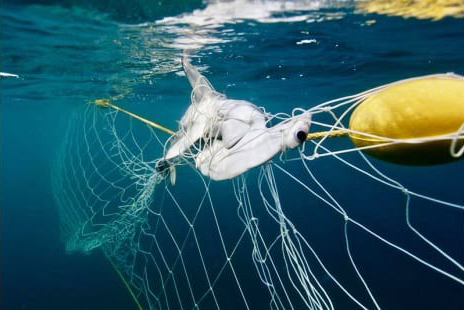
{"x": 179, "y": 246}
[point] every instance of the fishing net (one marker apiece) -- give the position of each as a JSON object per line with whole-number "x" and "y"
{"x": 321, "y": 226}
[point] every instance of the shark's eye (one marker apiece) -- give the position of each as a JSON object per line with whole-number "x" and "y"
{"x": 301, "y": 136}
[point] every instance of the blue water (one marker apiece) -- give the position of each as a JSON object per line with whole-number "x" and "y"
{"x": 67, "y": 56}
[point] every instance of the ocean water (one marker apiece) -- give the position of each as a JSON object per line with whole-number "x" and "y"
{"x": 277, "y": 56}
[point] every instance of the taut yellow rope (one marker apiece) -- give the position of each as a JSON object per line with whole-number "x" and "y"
{"x": 105, "y": 103}
{"x": 329, "y": 134}
{"x": 139, "y": 306}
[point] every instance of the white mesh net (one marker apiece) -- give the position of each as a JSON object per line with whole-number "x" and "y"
{"x": 319, "y": 227}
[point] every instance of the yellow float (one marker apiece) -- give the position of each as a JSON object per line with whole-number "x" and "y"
{"x": 413, "y": 122}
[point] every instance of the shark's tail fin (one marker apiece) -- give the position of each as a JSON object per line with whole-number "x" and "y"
{"x": 200, "y": 85}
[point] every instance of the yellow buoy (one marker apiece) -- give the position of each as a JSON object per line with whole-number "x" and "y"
{"x": 422, "y": 9}
{"x": 419, "y": 115}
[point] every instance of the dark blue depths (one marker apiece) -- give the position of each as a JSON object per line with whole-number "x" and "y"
{"x": 67, "y": 57}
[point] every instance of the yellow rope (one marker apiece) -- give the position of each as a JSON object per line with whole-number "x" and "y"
{"x": 139, "y": 306}
{"x": 328, "y": 134}
{"x": 105, "y": 103}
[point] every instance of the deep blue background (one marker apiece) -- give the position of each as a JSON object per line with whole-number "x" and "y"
{"x": 67, "y": 57}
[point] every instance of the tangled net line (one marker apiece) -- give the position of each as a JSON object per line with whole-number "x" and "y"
{"x": 182, "y": 247}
